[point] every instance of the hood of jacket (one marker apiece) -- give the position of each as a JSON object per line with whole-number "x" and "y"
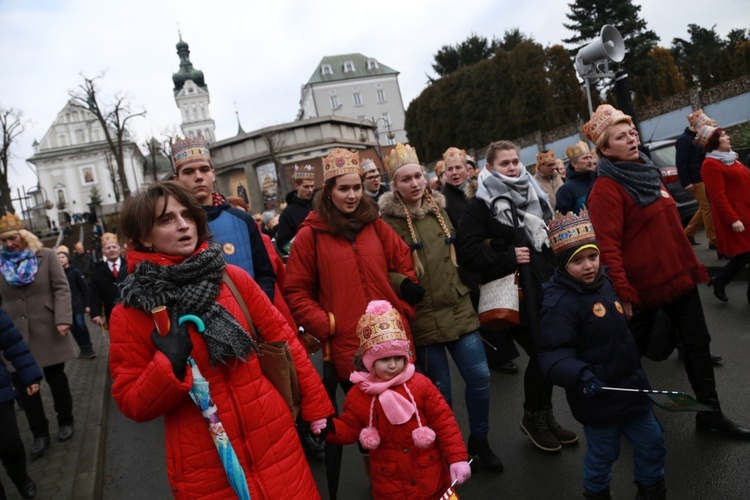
{"x": 390, "y": 206}
{"x": 470, "y": 189}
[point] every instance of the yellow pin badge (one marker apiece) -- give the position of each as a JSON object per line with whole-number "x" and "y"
{"x": 599, "y": 310}
{"x": 228, "y": 248}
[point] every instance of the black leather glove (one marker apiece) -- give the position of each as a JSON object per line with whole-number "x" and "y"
{"x": 176, "y": 346}
{"x": 411, "y": 292}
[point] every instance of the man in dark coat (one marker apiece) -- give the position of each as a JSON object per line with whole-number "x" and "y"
{"x": 298, "y": 205}
{"x": 82, "y": 261}
{"x": 572, "y": 195}
{"x": 107, "y": 275}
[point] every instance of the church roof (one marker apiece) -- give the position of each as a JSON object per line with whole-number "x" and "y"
{"x": 347, "y": 67}
{"x": 186, "y": 72}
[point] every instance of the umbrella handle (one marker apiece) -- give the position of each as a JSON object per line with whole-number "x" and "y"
{"x": 199, "y": 325}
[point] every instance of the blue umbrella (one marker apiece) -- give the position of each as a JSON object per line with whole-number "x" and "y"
{"x": 200, "y": 395}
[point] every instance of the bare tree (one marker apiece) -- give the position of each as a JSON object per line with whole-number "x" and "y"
{"x": 112, "y": 121}
{"x": 11, "y": 127}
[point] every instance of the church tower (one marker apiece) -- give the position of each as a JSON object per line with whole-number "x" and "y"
{"x": 192, "y": 97}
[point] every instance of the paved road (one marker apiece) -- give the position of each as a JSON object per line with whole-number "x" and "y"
{"x": 698, "y": 466}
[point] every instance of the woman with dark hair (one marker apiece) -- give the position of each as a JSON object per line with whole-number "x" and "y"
{"x": 344, "y": 257}
{"x": 728, "y": 186}
{"x": 651, "y": 262}
{"x": 172, "y": 264}
{"x": 489, "y": 243}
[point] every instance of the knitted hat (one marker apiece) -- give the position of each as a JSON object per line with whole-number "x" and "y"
{"x": 367, "y": 165}
{"x": 698, "y": 118}
{"x": 604, "y": 117}
{"x": 704, "y": 134}
{"x": 470, "y": 161}
{"x": 189, "y": 151}
{"x": 306, "y": 173}
{"x": 578, "y": 149}
{"x": 10, "y": 222}
{"x": 381, "y": 333}
{"x": 402, "y": 154}
{"x": 341, "y": 162}
{"x": 569, "y": 234}
{"x": 108, "y": 238}
{"x": 454, "y": 156}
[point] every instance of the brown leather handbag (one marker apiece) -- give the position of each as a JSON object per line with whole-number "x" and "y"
{"x": 276, "y": 361}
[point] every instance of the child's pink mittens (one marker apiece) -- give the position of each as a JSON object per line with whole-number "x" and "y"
{"x": 316, "y": 426}
{"x": 460, "y": 472}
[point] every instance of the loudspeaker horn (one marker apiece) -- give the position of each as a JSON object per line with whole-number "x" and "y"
{"x": 608, "y": 47}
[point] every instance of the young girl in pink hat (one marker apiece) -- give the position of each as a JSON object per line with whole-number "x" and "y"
{"x": 416, "y": 449}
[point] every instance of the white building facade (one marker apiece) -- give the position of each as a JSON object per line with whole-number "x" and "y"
{"x": 359, "y": 87}
{"x": 192, "y": 97}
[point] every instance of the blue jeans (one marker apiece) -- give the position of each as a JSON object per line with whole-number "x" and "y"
{"x": 646, "y": 436}
{"x": 468, "y": 354}
{"x": 80, "y": 330}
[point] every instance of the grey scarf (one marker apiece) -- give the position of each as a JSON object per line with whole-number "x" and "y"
{"x": 642, "y": 181}
{"x": 191, "y": 288}
{"x": 725, "y": 157}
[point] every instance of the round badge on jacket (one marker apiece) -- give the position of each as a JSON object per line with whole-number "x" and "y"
{"x": 619, "y": 308}
{"x": 664, "y": 194}
{"x": 228, "y": 248}
{"x": 599, "y": 310}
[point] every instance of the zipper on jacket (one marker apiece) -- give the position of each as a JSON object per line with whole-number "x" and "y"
{"x": 362, "y": 272}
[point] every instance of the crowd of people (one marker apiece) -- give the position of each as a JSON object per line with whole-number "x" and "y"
{"x": 386, "y": 278}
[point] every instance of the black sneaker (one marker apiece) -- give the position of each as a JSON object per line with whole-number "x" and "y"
{"x": 534, "y": 425}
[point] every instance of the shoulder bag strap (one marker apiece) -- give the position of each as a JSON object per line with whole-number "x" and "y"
{"x": 254, "y": 333}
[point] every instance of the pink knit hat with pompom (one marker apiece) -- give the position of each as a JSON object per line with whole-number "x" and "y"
{"x": 381, "y": 333}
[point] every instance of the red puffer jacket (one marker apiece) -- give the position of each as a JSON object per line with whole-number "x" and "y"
{"x": 728, "y": 188}
{"x": 398, "y": 468}
{"x": 327, "y": 273}
{"x": 258, "y": 422}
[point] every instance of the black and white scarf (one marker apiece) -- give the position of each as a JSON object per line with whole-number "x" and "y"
{"x": 642, "y": 180}
{"x": 191, "y": 288}
{"x": 531, "y": 202}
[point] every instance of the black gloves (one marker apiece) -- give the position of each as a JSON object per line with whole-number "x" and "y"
{"x": 592, "y": 388}
{"x": 411, "y": 292}
{"x": 176, "y": 346}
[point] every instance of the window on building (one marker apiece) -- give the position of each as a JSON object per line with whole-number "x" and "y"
{"x": 372, "y": 64}
{"x": 335, "y": 102}
{"x": 391, "y": 142}
{"x": 381, "y": 95}
{"x": 387, "y": 118}
{"x": 357, "y": 99}
{"x": 326, "y": 70}
{"x": 348, "y": 67}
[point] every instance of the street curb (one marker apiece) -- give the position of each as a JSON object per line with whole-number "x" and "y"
{"x": 88, "y": 481}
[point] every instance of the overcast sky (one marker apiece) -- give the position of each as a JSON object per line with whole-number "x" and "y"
{"x": 256, "y": 55}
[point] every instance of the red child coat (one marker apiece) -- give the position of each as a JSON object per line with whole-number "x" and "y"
{"x": 728, "y": 188}
{"x": 398, "y": 468}
{"x": 327, "y": 273}
{"x": 255, "y": 417}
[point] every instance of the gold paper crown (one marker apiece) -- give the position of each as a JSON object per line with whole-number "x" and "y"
{"x": 570, "y": 231}
{"x": 340, "y": 162}
{"x": 454, "y": 156}
{"x": 187, "y": 151}
{"x": 108, "y": 238}
{"x": 401, "y": 155}
{"x": 439, "y": 168}
{"x": 604, "y": 117}
{"x": 10, "y": 222}
{"x": 698, "y": 118}
{"x": 548, "y": 157}
{"x": 306, "y": 173}
{"x": 704, "y": 134}
{"x": 579, "y": 149}
{"x": 367, "y": 165}
{"x": 374, "y": 329}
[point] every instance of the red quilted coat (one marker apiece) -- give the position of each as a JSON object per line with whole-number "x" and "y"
{"x": 327, "y": 273}
{"x": 651, "y": 262}
{"x": 728, "y": 188}
{"x": 398, "y": 469}
{"x": 258, "y": 422}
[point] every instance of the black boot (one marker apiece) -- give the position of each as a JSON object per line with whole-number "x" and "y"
{"x": 716, "y": 421}
{"x": 26, "y": 487}
{"x": 719, "y": 289}
{"x": 657, "y": 491}
{"x": 487, "y": 457}
{"x": 600, "y": 495}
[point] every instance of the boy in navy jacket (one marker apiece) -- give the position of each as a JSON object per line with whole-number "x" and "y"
{"x": 584, "y": 345}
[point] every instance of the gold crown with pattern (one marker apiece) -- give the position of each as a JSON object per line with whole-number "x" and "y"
{"x": 108, "y": 238}
{"x": 604, "y": 117}
{"x": 570, "y": 231}
{"x": 439, "y": 168}
{"x": 306, "y": 173}
{"x": 367, "y": 165}
{"x": 578, "y": 149}
{"x": 454, "y": 156}
{"x": 10, "y": 222}
{"x": 341, "y": 162}
{"x": 698, "y": 118}
{"x": 187, "y": 151}
{"x": 704, "y": 134}
{"x": 548, "y": 157}
{"x": 374, "y": 329}
{"x": 402, "y": 154}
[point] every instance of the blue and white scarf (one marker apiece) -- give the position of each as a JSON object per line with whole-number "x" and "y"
{"x": 18, "y": 268}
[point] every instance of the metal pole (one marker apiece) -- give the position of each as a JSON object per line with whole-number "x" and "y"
{"x": 588, "y": 95}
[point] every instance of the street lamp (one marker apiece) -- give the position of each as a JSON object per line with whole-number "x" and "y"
{"x": 373, "y": 122}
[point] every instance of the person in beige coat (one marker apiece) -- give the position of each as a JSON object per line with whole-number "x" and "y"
{"x": 546, "y": 175}
{"x": 36, "y": 296}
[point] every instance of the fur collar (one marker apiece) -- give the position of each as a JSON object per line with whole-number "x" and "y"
{"x": 470, "y": 189}
{"x": 390, "y": 206}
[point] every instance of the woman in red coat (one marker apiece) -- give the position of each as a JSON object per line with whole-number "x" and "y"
{"x": 399, "y": 415}
{"x": 651, "y": 262}
{"x": 173, "y": 265}
{"x": 343, "y": 257}
{"x": 728, "y": 186}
